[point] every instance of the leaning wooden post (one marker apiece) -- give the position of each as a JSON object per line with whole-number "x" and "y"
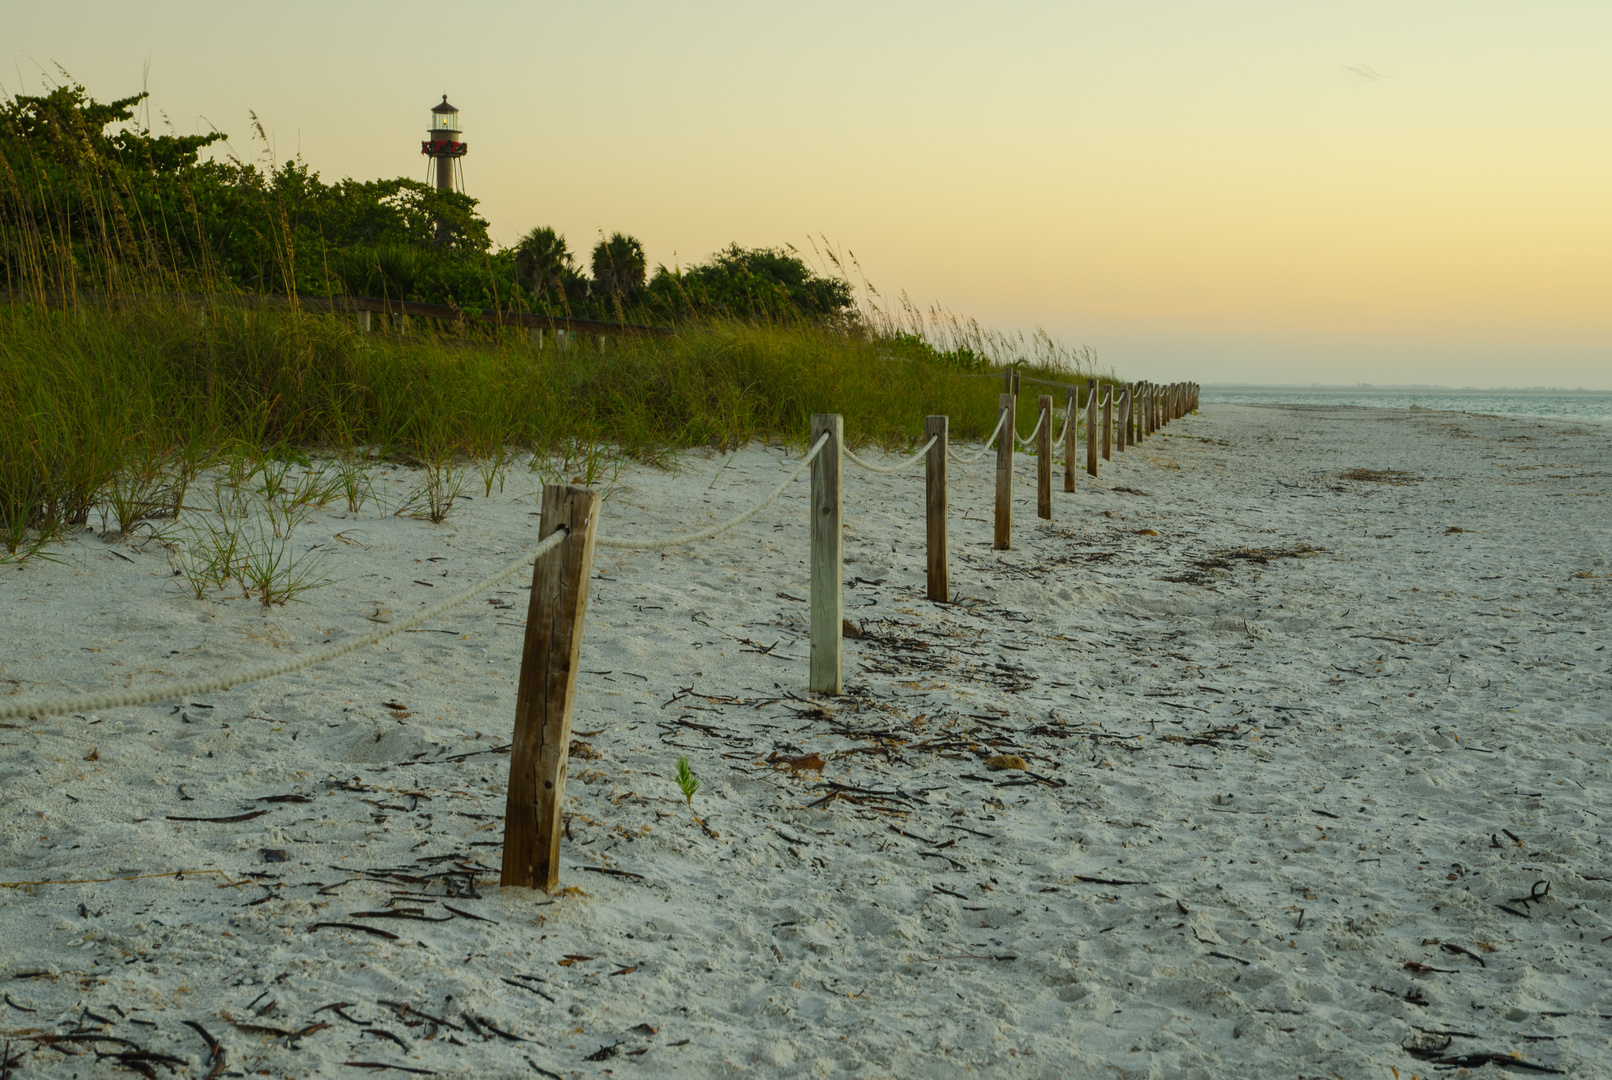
{"x": 1091, "y": 426}
{"x": 547, "y": 690}
{"x": 1071, "y": 435}
{"x": 938, "y": 548}
{"x": 828, "y": 555}
{"x": 1043, "y": 463}
{"x": 1004, "y": 475}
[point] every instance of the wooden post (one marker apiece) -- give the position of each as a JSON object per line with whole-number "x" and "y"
{"x": 828, "y": 555}
{"x": 363, "y": 321}
{"x": 1091, "y": 426}
{"x": 547, "y": 690}
{"x": 1004, "y": 475}
{"x": 937, "y": 428}
{"x": 1122, "y": 434}
{"x": 1071, "y": 435}
{"x": 535, "y": 336}
{"x": 1043, "y": 464}
{"x": 1108, "y": 422}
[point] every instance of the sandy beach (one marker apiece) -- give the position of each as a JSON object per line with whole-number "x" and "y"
{"x": 1314, "y": 703}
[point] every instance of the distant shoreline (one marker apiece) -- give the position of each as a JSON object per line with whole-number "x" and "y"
{"x": 1370, "y": 388}
{"x": 1569, "y": 405}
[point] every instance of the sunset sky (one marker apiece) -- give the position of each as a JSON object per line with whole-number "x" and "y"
{"x": 1231, "y": 191}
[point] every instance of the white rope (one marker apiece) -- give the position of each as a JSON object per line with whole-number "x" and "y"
{"x": 714, "y": 530}
{"x": 84, "y": 703}
{"x": 1068, "y": 418}
{"x": 913, "y": 460}
{"x": 1041, "y": 418}
{"x": 955, "y": 456}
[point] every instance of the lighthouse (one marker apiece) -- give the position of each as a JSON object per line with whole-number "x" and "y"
{"x": 442, "y": 143}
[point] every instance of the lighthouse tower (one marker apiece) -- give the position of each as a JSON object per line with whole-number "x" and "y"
{"x": 442, "y": 143}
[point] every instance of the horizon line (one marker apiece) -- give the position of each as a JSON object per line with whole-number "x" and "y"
{"x": 1404, "y": 387}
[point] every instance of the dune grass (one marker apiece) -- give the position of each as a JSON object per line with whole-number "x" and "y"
{"x": 116, "y": 409}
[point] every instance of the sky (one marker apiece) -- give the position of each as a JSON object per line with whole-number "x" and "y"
{"x": 1237, "y": 191}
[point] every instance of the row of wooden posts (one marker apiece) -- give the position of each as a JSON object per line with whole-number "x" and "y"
{"x": 546, "y": 690}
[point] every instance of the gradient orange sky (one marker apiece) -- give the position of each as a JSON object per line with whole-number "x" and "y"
{"x": 1231, "y": 191}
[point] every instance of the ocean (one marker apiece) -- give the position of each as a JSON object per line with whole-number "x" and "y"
{"x": 1588, "y": 405}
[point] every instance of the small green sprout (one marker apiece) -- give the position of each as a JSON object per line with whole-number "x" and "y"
{"x": 686, "y": 779}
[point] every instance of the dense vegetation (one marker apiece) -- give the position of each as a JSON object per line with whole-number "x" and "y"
{"x": 137, "y": 349}
{"x": 92, "y": 200}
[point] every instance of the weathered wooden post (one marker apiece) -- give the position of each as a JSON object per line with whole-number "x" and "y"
{"x": 828, "y": 555}
{"x": 1004, "y": 475}
{"x": 1071, "y": 435}
{"x": 1091, "y": 427}
{"x": 1123, "y": 434}
{"x": 363, "y": 320}
{"x": 1043, "y": 464}
{"x": 547, "y": 691}
{"x": 1108, "y": 422}
{"x": 939, "y": 555}
{"x": 535, "y": 337}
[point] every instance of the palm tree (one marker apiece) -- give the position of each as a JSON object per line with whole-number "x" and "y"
{"x": 543, "y": 262}
{"x": 619, "y": 267}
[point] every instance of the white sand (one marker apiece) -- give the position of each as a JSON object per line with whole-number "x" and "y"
{"x": 1323, "y": 767}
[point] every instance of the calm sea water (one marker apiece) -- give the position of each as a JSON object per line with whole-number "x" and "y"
{"x": 1588, "y": 405}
